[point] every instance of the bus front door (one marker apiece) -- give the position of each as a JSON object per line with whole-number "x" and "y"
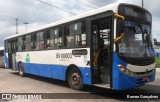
{"x": 101, "y": 50}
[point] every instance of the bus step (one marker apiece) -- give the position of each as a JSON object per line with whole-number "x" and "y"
{"x": 102, "y": 85}
{"x": 105, "y": 79}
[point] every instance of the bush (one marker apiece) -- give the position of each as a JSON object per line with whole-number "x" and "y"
{"x": 158, "y": 62}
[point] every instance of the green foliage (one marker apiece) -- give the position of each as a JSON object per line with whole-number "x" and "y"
{"x": 158, "y": 62}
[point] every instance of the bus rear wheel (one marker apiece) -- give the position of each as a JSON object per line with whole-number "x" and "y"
{"x": 21, "y": 70}
{"x": 75, "y": 79}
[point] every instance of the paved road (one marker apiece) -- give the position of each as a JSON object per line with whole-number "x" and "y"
{"x": 11, "y": 82}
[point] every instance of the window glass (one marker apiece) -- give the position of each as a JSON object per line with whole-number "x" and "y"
{"x": 56, "y": 32}
{"x": 28, "y": 38}
{"x": 20, "y": 40}
{"x": 41, "y": 35}
{"x": 58, "y": 43}
{"x": 28, "y": 46}
{"x": 20, "y": 47}
{"x": 33, "y": 46}
{"x": 70, "y": 41}
{"x": 52, "y": 33}
{"x": 76, "y": 36}
{"x": 55, "y": 40}
{"x": 41, "y": 44}
{"x": 37, "y": 37}
{"x": 75, "y": 28}
{"x": 36, "y": 45}
{"x": 50, "y": 43}
{"x": 80, "y": 40}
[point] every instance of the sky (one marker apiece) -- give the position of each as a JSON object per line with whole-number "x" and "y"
{"x": 41, "y": 12}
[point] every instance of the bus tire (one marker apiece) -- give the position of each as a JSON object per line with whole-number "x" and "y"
{"x": 75, "y": 79}
{"x": 21, "y": 70}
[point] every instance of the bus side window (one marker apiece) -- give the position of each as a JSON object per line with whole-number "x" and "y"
{"x": 20, "y": 43}
{"x": 75, "y": 34}
{"x": 39, "y": 44}
{"x": 80, "y": 34}
{"x": 54, "y": 39}
{"x": 28, "y": 43}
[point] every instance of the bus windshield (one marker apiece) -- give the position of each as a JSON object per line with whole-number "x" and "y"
{"x": 137, "y": 42}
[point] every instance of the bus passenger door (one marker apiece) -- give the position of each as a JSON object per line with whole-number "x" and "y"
{"x": 11, "y": 54}
{"x": 101, "y": 29}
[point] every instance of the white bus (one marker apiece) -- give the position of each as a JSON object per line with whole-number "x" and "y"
{"x": 109, "y": 47}
{"x": 1, "y": 56}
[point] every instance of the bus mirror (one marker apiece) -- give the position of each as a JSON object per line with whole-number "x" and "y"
{"x": 120, "y": 37}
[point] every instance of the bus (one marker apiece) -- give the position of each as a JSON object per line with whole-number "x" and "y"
{"x": 109, "y": 47}
{"x": 157, "y": 53}
{"x": 1, "y": 56}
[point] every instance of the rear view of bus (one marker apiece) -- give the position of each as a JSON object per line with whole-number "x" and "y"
{"x": 134, "y": 59}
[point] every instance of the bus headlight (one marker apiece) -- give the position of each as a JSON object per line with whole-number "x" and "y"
{"x": 125, "y": 70}
{"x": 121, "y": 67}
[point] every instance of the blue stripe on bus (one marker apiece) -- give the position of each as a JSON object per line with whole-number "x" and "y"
{"x": 122, "y": 81}
{"x": 6, "y": 60}
{"x": 54, "y": 71}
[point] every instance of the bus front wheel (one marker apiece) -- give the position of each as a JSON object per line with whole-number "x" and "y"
{"x": 75, "y": 79}
{"x": 21, "y": 70}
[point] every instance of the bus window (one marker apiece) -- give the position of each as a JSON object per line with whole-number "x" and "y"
{"x": 70, "y": 41}
{"x": 50, "y": 43}
{"x": 20, "y": 44}
{"x": 28, "y": 43}
{"x": 39, "y": 44}
{"x": 75, "y": 34}
{"x": 55, "y": 38}
{"x": 80, "y": 40}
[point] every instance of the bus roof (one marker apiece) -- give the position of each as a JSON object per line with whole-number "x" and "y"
{"x": 1, "y": 48}
{"x": 112, "y": 7}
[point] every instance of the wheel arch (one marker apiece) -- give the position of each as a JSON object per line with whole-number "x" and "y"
{"x": 71, "y": 66}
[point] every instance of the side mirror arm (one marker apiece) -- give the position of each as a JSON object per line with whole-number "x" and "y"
{"x": 120, "y": 37}
{"x": 119, "y": 16}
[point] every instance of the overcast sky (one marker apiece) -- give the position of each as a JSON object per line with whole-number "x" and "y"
{"x": 37, "y": 13}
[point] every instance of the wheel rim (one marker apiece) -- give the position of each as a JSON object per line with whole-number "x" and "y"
{"x": 76, "y": 79}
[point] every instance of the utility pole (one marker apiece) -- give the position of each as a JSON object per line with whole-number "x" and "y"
{"x": 16, "y": 25}
{"x": 142, "y": 3}
{"x": 26, "y": 25}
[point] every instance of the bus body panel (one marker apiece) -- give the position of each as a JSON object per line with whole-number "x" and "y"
{"x": 54, "y": 63}
{"x": 122, "y": 81}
